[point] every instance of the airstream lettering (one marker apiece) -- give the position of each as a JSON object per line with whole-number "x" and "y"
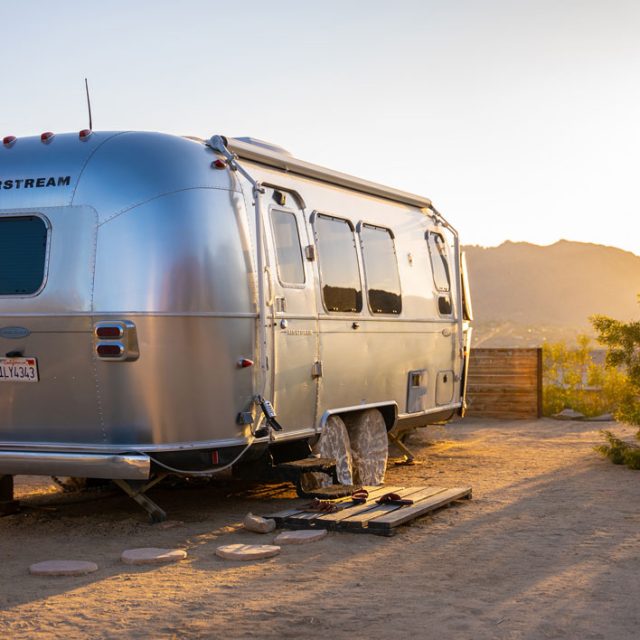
{"x": 29, "y": 183}
{"x": 190, "y": 305}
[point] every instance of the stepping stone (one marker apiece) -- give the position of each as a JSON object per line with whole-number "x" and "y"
{"x": 300, "y": 537}
{"x": 605, "y": 417}
{"x": 258, "y": 524}
{"x": 152, "y": 555}
{"x": 247, "y": 551}
{"x": 568, "y": 414}
{"x": 63, "y": 568}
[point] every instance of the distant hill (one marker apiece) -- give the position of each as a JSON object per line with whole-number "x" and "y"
{"x": 524, "y": 294}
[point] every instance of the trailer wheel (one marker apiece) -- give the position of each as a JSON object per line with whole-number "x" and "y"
{"x": 369, "y": 446}
{"x": 333, "y": 443}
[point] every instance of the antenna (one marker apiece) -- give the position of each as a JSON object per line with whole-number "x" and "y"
{"x": 86, "y": 86}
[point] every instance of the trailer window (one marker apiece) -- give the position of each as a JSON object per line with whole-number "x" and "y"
{"x": 289, "y": 253}
{"x": 338, "y": 262}
{"x": 381, "y": 270}
{"x": 439, "y": 261}
{"x": 23, "y": 248}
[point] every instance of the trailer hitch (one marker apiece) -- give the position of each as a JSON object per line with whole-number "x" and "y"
{"x": 270, "y": 418}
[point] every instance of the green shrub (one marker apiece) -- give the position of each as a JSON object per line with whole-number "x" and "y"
{"x": 619, "y": 451}
{"x": 622, "y": 340}
{"x": 571, "y": 379}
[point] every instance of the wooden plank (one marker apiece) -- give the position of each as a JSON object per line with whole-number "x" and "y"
{"x": 494, "y": 377}
{"x": 394, "y": 519}
{"x": 512, "y": 360}
{"x": 312, "y": 518}
{"x": 523, "y": 390}
{"x": 530, "y": 408}
{"x": 362, "y": 519}
{"x": 503, "y": 350}
{"x": 502, "y": 401}
{"x": 279, "y": 515}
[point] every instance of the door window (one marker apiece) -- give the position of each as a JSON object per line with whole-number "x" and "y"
{"x": 288, "y": 250}
{"x": 439, "y": 261}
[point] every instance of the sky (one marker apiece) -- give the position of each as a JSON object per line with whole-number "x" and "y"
{"x": 520, "y": 119}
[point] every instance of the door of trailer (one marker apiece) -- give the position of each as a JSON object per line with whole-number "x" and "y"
{"x": 446, "y": 287}
{"x": 48, "y": 391}
{"x": 294, "y": 345}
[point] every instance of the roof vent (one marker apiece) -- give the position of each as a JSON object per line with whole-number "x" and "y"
{"x": 269, "y": 146}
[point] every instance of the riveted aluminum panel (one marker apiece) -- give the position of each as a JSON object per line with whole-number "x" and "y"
{"x": 133, "y": 168}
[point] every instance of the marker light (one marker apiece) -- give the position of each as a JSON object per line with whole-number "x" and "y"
{"x": 243, "y": 363}
{"x": 109, "y": 332}
{"x": 215, "y": 458}
{"x": 219, "y": 164}
{"x": 84, "y": 134}
{"x": 46, "y": 136}
{"x": 8, "y": 141}
{"x": 110, "y": 350}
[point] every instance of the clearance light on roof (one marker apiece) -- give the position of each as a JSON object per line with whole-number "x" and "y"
{"x": 84, "y": 134}
{"x": 46, "y": 136}
{"x": 8, "y": 141}
{"x": 219, "y": 164}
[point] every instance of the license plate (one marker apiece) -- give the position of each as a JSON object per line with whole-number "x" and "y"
{"x": 18, "y": 370}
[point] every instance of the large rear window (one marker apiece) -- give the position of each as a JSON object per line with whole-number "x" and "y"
{"x": 23, "y": 249}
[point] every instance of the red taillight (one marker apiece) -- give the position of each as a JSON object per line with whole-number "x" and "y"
{"x": 215, "y": 458}
{"x": 46, "y": 136}
{"x": 219, "y": 164}
{"x": 109, "y": 332}
{"x": 243, "y": 363}
{"x": 109, "y": 350}
{"x": 8, "y": 141}
{"x": 84, "y": 134}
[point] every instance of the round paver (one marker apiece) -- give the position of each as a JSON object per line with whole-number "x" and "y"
{"x": 247, "y": 551}
{"x": 63, "y": 568}
{"x": 300, "y": 537}
{"x": 152, "y": 555}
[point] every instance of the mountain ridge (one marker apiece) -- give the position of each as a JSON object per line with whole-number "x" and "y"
{"x": 558, "y": 285}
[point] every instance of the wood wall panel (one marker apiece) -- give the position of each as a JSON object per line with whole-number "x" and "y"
{"x": 505, "y": 383}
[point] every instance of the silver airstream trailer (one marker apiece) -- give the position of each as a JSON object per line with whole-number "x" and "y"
{"x": 176, "y": 305}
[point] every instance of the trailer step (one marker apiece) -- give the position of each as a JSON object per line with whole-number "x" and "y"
{"x": 371, "y": 517}
{"x": 293, "y": 471}
{"x": 325, "y": 465}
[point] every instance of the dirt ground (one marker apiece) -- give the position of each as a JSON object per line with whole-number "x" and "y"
{"x": 547, "y": 548}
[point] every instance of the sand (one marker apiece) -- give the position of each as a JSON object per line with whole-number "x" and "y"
{"x": 547, "y": 548}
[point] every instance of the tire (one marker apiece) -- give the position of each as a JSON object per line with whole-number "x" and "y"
{"x": 369, "y": 446}
{"x": 333, "y": 443}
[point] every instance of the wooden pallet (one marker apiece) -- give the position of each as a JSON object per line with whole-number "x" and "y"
{"x": 381, "y": 519}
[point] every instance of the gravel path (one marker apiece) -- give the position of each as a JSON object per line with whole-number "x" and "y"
{"x": 548, "y": 548}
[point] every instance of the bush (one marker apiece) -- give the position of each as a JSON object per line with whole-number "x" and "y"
{"x": 572, "y": 380}
{"x": 619, "y": 451}
{"x": 622, "y": 340}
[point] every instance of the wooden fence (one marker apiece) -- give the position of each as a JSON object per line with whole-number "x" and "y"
{"x": 505, "y": 383}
